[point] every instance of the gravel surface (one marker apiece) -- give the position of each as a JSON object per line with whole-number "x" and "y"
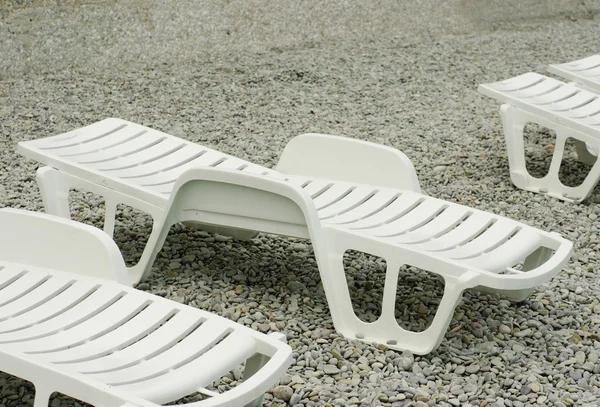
{"x": 246, "y": 76}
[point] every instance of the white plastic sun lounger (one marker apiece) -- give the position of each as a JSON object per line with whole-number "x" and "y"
{"x": 568, "y": 110}
{"x": 584, "y": 72}
{"x": 341, "y": 193}
{"x": 70, "y": 323}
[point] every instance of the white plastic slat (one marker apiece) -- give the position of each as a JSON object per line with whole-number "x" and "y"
{"x": 559, "y": 97}
{"x": 465, "y": 231}
{"x": 142, "y": 157}
{"x": 579, "y": 100}
{"x": 85, "y": 309}
{"x": 113, "y": 140}
{"x": 316, "y": 187}
{"x": 80, "y": 136}
{"x": 232, "y": 163}
{"x": 584, "y": 64}
{"x": 394, "y": 210}
{"x": 9, "y": 273}
{"x": 334, "y": 194}
{"x": 87, "y": 328}
{"x": 495, "y": 235}
{"x": 591, "y": 122}
{"x": 299, "y": 181}
{"x": 441, "y": 224}
{"x": 36, "y": 297}
{"x": 193, "y": 345}
{"x": 518, "y": 83}
{"x": 122, "y": 335}
{"x": 354, "y": 199}
{"x": 507, "y": 254}
{"x": 592, "y": 74}
{"x": 369, "y": 207}
{"x": 590, "y": 109}
{"x": 51, "y": 308}
{"x": 199, "y": 372}
{"x": 175, "y": 159}
{"x": 543, "y": 91}
{"x": 174, "y": 330}
{"x": 555, "y": 105}
{"x": 584, "y": 68}
{"x": 416, "y": 217}
{"x": 171, "y": 174}
{"x": 124, "y": 154}
{"x": 21, "y": 286}
{"x": 585, "y": 72}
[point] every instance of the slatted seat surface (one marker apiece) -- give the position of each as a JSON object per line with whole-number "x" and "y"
{"x": 442, "y": 229}
{"x": 142, "y": 344}
{"x": 399, "y": 217}
{"x": 584, "y": 71}
{"x": 144, "y": 161}
{"x": 551, "y": 99}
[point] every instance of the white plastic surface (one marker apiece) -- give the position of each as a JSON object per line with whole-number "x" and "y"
{"x": 108, "y": 344}
{"x": 469, "y": 248}
{"x": 349, "y": 160}
{"x": 568, "y": 110}
{"x": 585, "y": 72}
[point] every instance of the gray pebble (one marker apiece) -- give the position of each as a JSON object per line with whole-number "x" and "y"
{"x": 295, "y": 399}
{"x": 471, "y": 369}
{"x": 456, "y": 390}
{"x": 331, "y": 369}
{"x": 250, "y": 84}
{"x": 283, "y": 392}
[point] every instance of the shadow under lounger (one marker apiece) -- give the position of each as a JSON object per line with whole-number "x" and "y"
{"x": 69, "y": 324}
{"x": 341, "y": 193}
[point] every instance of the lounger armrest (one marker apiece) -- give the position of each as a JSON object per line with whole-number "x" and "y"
{"x": 47, "y": 241}
{"x": 532, "y": 278}
{"x": 345, "y": 159}
{"x": 253, "y": 387}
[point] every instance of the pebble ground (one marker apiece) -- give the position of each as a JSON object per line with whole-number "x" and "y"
{"x": 246, "y": 76}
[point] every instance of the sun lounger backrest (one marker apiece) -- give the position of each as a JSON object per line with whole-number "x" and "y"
{"x": 247, "y": 201}
{"x": 60, "y": 245}
{"x": 345, "y": 159}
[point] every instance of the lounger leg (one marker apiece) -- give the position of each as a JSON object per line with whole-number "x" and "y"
{"x": 513, "y": 133}
{"x": 110, "y": 215}
{"x": 435, "y": 333}
{"x": 514, "y": 122}
{"x": 142, "y": 269}
{"x": 54, "y": 191}
{"x": 42, "y": 396}
{"x": 584, "y": 154}
{"x": 386, "y": 329}
{"x": 254, "y": 364}
{"x": 430, "y": 338}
